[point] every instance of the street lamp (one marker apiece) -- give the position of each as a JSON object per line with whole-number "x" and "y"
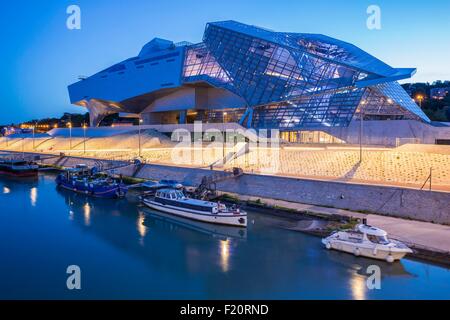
{"x": 84, "y": 135}
{"x": 70, "y": 133}
{"x": 223, "y": 139}
{"x": 23, "y": 149}
{"x": 34, "y": 147}
{"x": 140, "y": 123}
{"x": 361, "y": 115}
{"x": 420, "y": 98}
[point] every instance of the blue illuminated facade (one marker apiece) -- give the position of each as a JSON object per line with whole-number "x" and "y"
{"x": 246, "y": 74}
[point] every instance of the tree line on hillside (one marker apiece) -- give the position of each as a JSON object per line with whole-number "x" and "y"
{"x": 435, "y": 109}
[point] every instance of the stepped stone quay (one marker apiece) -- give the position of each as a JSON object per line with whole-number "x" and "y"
{"x": 407, "y": 166}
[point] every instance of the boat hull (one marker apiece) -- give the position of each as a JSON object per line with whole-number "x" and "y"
{"x": 228, "y": 219}
{"x": 109, "y": 192}
{"x": 215, "y": 230}
{"x": 19, "y": 173}
{"x": 379, "y": 253}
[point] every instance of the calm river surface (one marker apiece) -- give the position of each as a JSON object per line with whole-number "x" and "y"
{"x": 129, "y": 252}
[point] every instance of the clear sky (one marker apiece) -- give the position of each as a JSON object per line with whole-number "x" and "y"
{"x": 40, "y": 56}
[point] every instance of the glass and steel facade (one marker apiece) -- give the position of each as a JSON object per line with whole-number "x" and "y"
{"x": 296, "y": 81}
{"x": 254, "y": 76}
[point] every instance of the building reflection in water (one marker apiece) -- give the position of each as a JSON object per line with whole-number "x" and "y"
{"x": 358, "y": 287}
{"x": 225, "y": 255}
{"x": 141, "y": 228}
{"x": 87, "y": 214}
{"x": 33, "y": 196}
{"x": 6, "y": 190}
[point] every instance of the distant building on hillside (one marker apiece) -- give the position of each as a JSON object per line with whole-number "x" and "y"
{"x": 439, "y": 93}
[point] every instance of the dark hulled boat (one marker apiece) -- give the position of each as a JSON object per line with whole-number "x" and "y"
{"x": 18, "y": 168}
{"x": 81, "y": 179}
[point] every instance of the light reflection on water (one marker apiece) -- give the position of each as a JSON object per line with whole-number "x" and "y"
{"x": 152, "y": 255}
{"x": 358, "y": 286}
{"x": 33, "y": 196}
{"x": 87, "y": 214}
{"x": 141, "y": 228}
{"x": 225, "y": 254}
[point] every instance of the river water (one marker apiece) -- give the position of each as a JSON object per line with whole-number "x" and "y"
{"x": 125, "y": 251}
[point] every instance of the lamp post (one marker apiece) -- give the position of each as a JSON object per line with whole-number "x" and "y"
{"x": 361, "y": 119}
{"x": 84, "y": 136}
{"x": 420, "y": 98}
{"x": 140, "y": 123}
{"x": 23, "y": 149}
{"x": 34, "y": 128}
{"x": 223, "y": 137}
{"x": 70, "y": 134}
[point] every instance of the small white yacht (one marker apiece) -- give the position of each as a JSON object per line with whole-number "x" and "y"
{"x": 174, "y": 201}
{"x": 367, "y": 241}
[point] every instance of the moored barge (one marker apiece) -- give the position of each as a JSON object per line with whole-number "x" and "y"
{"x": 81, "y": 179}
{"x": 18, "y": 168}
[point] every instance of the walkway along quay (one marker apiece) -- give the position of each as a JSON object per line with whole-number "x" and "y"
{"x": 420, "y": 218}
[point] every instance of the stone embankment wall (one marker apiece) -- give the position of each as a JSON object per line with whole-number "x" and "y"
{"x": 420, "y": 205}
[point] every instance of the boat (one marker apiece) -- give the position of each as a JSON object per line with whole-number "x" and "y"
{"x": 367, "y": 241}
{"x": 81, "y": 179}
{"x": 214, "y": 230}
{"x": 18, "y": 167}
{"x": 174, "y": 201}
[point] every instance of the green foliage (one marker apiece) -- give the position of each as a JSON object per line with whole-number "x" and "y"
{"x": 436, "y": 110}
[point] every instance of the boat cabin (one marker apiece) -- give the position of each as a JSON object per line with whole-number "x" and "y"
{"x": 373, "y": 234}
{"x": 170, "y": 194}
{"x": 80, "y": 170}
{"x": 176, "y": 198}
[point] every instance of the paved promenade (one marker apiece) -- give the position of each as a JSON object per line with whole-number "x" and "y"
{"x": 407, "y": 166}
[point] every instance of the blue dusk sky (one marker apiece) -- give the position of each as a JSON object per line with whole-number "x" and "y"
{"x": 40, "y": 56}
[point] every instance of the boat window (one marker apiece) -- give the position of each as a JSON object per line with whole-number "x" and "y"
{"x": 180, "y": 195}
{"x": 378, "y": 239}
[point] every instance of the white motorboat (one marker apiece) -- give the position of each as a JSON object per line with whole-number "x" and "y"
{"x": 367, "y": 241}
{"x": 174, "y": 201}
{"x": 213, "y": 229}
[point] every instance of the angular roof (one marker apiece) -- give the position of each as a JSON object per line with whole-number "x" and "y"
{"x": 323, "y": 47}
{"x": 155, "y": 45}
